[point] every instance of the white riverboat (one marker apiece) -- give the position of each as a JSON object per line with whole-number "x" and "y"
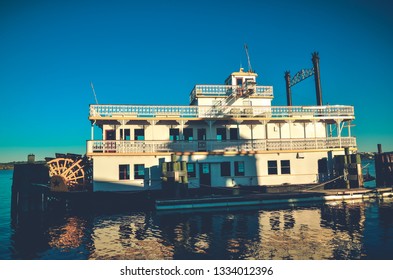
{"x": 229, "y": 135}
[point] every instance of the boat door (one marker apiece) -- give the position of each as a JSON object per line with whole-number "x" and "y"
{"x": 204, "y": 175}
{"x": 201, "y": 139}
{"x": 110, "y": 134}
{"x": 110, "y": 146}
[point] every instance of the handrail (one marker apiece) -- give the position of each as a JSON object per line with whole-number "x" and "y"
{"x": 156, "y": 146}
{"x": 227, "y": 90}
{"x": 223, "y": 111}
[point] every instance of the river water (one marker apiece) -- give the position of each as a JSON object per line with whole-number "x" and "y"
{"x": 353, "y": 230}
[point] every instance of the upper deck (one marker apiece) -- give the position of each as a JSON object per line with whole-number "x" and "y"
{"x": 132, "y": 112}
{"x": 239, "y": 98}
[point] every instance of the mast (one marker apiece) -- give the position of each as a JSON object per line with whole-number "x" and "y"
{"x": 94, "y": 92}
{"x": 248, "y": 58}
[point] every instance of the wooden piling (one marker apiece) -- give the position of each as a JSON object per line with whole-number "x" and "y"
{"x": 350, "y": 167}
{"x": 383, "y": 168}
{"x": 174, "y": 177}
{"x": 29, "y": 193}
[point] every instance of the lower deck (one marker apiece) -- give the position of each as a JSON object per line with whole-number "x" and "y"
{"x": 143, "y": 172}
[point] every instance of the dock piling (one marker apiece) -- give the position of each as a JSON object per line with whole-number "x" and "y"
{"x": 174, "y": 177}
{"x": 28, "y": 191}
{"x": 383, "y": 168}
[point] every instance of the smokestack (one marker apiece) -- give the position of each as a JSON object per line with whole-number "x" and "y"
{"x": 379, "y": 148}
{"x": 318, "y": 89}
{"x": 288, "y": 87}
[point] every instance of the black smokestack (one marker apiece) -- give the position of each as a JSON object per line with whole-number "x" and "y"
{"x": 318, "y": 89}
{"x": 288, "y": 87}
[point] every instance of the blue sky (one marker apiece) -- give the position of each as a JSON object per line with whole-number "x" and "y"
{"x": 154, "y": 52}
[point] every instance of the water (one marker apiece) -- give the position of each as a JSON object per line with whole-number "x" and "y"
{"x": 353, "y": 230}
{"x": 369, "y": 166}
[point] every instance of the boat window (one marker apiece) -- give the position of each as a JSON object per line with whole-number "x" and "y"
{"x": 272, "y": 167}
{"x": 239, "y": 168}
{"x": 191, "y": 169}
{"x": 234, "y": 133}
{"x": 125, "y": 134}
{"x": 139, "y": 134}
{"x": 205, "y": 168}
{"x": 139, "y": 171}
{"x": 239, "y": 81}
{"x": 225, "y": 168}
{"x": 221, "y": 133}
{"x": 174, "y": 134}
{"x": 188, "y": 134}
{"x": 124, "y": 172}
{"x": 285, "y": 167}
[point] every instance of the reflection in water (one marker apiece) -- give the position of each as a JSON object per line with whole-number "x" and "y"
{"x": 306, "y": 234}
{"x": 354, "y": 230}
{"x": 49, "y": 237}
{"x": 128, "y": 237}
{"x": 68, "y": 236}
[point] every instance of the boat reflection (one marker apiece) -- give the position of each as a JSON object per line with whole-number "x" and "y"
{"x": 128, "y": 237}
{"x": 352, "y": 230}
{"x": 69, "y": 235}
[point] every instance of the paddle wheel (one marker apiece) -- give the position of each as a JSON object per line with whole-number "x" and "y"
{"x": 69, "y": 172}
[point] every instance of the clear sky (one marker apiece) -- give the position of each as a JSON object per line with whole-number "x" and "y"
{"x": 154, "y": 52}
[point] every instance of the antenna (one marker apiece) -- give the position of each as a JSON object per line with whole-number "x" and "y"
{"x": 248, "y": 58}
{"x": 94, "y": 92}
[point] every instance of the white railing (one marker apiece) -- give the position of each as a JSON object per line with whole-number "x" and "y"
{"x": 142, "y": 111}
{"x": 222, "y": 111}
{"x": 227, "y": 90}
{"x": 156, "y": 146}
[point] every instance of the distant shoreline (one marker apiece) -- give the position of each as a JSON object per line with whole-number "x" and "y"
{"x": 10, "y": 165}
{"x": 6, "y": 166}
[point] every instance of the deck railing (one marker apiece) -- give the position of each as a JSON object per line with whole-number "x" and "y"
{"x": 156, "y": 146}
{"x": 222, "y": 111}
{"x": 227, "y": 90}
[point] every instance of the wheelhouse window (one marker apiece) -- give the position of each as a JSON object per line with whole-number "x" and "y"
{"x": 285, "y": 167}
{"x": 239, "y": 168}
{"x": 124, "y": 172}
{"x": 221, "y": 133}
{"x": 139, "y": 171}
{"x": 249, "y": 81}
{"x": 174, "y": 134}
{"x": 191, "y": 169}
{"x": 188, "y": 134}
{"x": 272, "y": 167}
{"x": 139, "y": 134}
{"x": 225, "y": 168}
